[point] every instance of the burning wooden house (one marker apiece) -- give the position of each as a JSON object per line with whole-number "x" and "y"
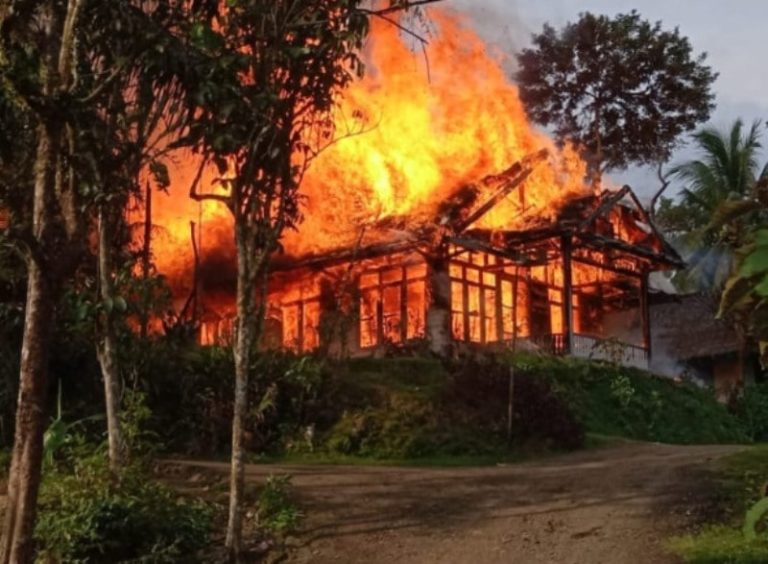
{"x": 573, "y": 284}
{"x": 406, "y": 241}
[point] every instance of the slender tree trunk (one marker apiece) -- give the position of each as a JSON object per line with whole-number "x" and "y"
{"x": 24, "y": 479}
{"x": 26, "y": 463}
{"x": 596, "y": 160}
{"x": 511, "y": 389}
{"x": 146, "y": 255}
{"x": 107, "y": 348}
{"x": 245, "y": 344}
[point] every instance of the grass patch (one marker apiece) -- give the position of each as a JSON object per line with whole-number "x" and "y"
{"x": 625, "y": 402}
{"x": 739, "y": 482}
{"x": 437, "y": 461}
{"x": 720, "y": 545}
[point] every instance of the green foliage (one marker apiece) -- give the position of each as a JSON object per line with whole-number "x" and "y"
{"x": 395, "y": 408}
{"x": 277, "y": 512}
{"x": 85, "y": 515}
{"x": 740, "y": 485}
{"x": 754, "y": 519}
{"x": 720, "y": 545}
{"x": 629, "y": 403}
{"x": 407, "y": 428}
{"x": 621, "y": 88}
{"x": 742, "y": 480}
{"x": 719, "y": 204}
{"x": 135, "y": 416}
{"x": 622, "y": 389}
{"x": 401, "y": 408}
{"x": 752, "y": 410}
{"x": 746, "y": 292}
{"x": 60, "y": 433}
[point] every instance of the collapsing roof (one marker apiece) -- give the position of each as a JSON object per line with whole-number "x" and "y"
{"x": 592, "y": 220}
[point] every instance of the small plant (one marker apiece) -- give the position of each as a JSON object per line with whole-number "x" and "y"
{"x": 134, "y": 418}
{"x": 622, "y": 389}
{"x": 277, "y": 513}
{"x": 60, "y": 432}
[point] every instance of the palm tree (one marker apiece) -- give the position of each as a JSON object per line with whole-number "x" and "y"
{"x": 716, "y": 207}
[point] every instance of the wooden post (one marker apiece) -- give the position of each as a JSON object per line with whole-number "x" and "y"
{"x": 404, "y": 306}
{"x": 566, "y": 247}
{"x": 439, "y": 308}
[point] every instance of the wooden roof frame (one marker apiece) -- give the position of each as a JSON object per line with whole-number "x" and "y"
{"x": 458, "y": 231}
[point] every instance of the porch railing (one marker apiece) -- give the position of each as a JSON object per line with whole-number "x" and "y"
{"x": 590, "y": 347}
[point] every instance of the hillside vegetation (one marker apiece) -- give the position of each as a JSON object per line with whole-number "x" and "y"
{"x": 738, "y": 483}
{"x": 419, "y": 408}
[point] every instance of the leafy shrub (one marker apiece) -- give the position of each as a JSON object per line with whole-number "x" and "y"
{"x": 86, "y": 515}
{"x": 277, "y": 512}
{"x": 189, "y": 390}
{"x": 752, "y": 410}
{"x": 401, "y": 428}
{"x": 541, "y": 415}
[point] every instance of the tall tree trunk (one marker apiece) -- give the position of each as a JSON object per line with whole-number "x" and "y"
{"x": 26, "y": 463}
{"x": 24, "y": 479}
{"x": 245, "y": 345}
{"x": 107, "y": 348}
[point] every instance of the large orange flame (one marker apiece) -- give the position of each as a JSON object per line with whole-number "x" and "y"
{"x": 431, "y": 125}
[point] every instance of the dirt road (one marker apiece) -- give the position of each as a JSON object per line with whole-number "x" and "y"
{"x": 613, "y": 505}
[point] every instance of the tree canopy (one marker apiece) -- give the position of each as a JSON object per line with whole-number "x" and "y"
{"x": 622, "y": 89}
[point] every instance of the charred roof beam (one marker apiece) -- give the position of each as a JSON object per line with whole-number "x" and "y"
{"x": 511, "y": 179}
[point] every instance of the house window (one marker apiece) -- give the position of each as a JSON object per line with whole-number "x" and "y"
{"x": 514, "y": 320}
{"x": 301, "y": 320}
{"x": 392, "y": 304}
{"x": 474, "y": 298}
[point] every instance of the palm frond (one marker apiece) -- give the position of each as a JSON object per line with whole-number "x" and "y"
{"x": 730, "y": 211}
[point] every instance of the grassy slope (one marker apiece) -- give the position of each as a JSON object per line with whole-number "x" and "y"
{"x": 740, "y": 481}
{"x": 393, "y": 410}
{"x": 629, "y": 403}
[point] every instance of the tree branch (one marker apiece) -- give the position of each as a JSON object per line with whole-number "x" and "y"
{"x": 401, "y": 27}
{"x": 397, "y": 7}
{"x": 196, "y": 196}
{"x": 664, "y": 179}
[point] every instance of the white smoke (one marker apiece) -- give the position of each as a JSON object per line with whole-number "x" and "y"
{"x": 500, "y": 23}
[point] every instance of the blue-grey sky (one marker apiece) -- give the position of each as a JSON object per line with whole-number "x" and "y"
{"x": 732, "y": 33}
